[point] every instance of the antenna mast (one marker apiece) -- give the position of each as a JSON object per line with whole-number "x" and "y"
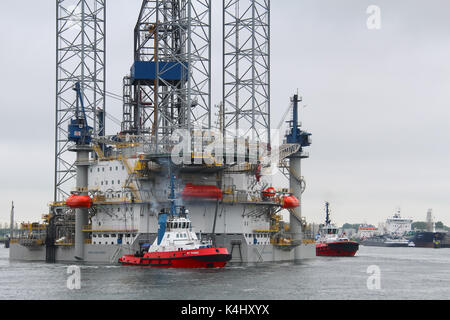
{"x": 11, "y": 232}
{"x": 328, "y": 219}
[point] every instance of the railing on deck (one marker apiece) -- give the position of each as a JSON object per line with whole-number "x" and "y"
{"x": 110, "y": 229}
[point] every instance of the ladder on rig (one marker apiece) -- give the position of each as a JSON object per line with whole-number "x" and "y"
{"x": 130, "y": 183}
{"x": 286, "y": 167}
{"x": 99, "y": 152}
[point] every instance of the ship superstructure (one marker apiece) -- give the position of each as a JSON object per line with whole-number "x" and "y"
{"x": 397, "y": 226}
{"x": 223, "y": 168}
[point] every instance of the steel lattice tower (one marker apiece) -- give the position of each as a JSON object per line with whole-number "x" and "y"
{"x": 173, "y": 38}
{"x": 81, "y": 57}
{"x": 246, "y": 65}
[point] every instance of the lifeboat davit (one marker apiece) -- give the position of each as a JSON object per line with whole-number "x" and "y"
{"x": 201, "y": 192}
{"x": 79, "y": 202}
{"x": 290, "y": 202}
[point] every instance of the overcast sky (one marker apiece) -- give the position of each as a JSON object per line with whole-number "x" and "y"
{"x": 377, "y": 101}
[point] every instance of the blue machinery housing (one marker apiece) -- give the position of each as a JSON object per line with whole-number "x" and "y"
{"x": 168, "y": 71}
{"x": 79, "y": 130}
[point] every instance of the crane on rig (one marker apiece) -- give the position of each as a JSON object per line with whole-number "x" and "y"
{"x": 79, "y": 130}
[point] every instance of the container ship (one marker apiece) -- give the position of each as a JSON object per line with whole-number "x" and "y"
{"x": 110, "y": 189}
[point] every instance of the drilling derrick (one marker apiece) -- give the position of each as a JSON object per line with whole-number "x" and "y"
{"x": 246, "y": 65}
{"x": 81, "y": 58}
{"x": 169, "y": 86}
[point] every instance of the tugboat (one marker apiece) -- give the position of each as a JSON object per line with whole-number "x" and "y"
{"x": 177, "y": 246}
{"x": 330, "y": 243}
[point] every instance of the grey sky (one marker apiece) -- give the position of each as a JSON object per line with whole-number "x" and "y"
{"x": 377, "y": 101}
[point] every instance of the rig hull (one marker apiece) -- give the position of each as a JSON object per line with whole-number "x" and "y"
{"x": 109, "y": 254}
{"x": 241, "y": 226}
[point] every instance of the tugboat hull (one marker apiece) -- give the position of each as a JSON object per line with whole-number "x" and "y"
{"x": 337, "y": 249}
{"x": 190, "y": 259}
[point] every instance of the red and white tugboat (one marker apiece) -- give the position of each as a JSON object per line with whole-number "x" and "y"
{"x": 330, "y": 243}
{"x": 177, "y": 246}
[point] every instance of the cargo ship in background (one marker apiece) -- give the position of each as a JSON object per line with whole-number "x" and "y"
{"x": 396, "y": 226}
{"x": 397, "y": 232}
{"x": 385, "y": 241}
{"x": 390, "y": 234}
{"x": 110, "y": 189}
{"x": 430, "y": 238}
{"x": 331, "y": 243}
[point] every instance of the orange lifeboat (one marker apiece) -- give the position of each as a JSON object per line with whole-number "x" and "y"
{"x": 79, "y": 202}
{"x": 201, "y": 192}
{"x": 290, "y": 202}
{"x": 269, "y": 192}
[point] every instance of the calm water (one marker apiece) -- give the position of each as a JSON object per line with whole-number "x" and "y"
{"x": 406, "y": 273}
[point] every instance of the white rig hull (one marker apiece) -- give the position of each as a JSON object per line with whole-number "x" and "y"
{"x": 109, "y": 254}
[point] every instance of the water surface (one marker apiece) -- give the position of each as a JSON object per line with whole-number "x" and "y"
{"x": 406, "y": 273}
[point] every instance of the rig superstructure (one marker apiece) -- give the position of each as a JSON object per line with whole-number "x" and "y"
{"x": 222, "y": 167}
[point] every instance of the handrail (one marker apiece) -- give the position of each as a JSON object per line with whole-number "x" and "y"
{"x": 109, "y": 229}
